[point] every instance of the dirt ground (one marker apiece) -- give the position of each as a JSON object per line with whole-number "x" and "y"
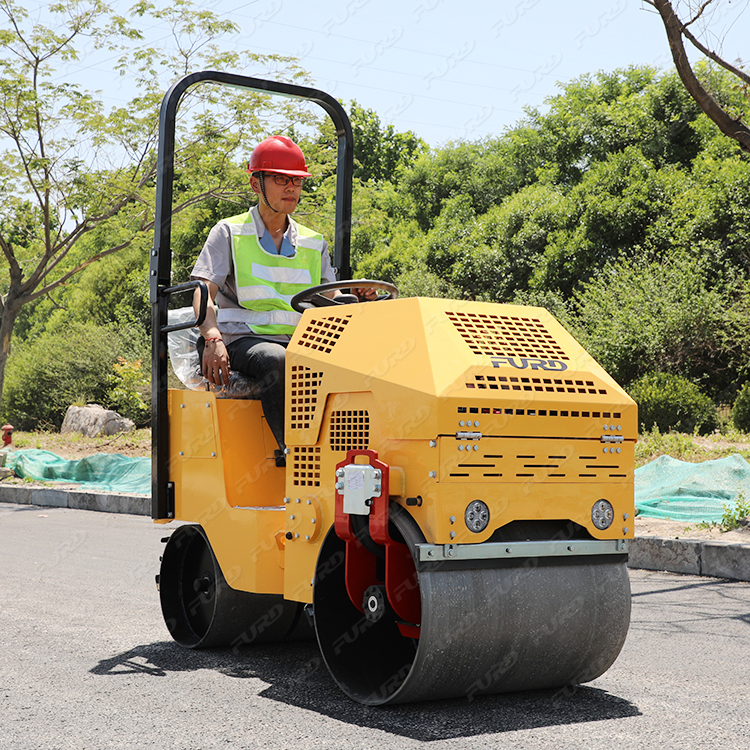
{"x": 73, "y": 445}
{"x": 687, "y": 530}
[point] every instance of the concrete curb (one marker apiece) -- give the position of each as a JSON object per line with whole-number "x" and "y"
{"x": 137, "y": 505}
{"x": 692, "y": 556}
{"x": 696, "y": 557}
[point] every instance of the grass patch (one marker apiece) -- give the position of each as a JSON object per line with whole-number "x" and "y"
{"x": 692, "y": 448}
{"x": 76, "y": 445}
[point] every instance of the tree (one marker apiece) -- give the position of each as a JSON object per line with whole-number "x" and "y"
{"x": 76, "y": 181}
{"x": 730, "y": 124}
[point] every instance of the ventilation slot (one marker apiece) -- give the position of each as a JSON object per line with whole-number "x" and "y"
{"x": 350, "y": 430}
{"x": 322, "y": 335}
{"x": 539, "y": 385}
{"x": 506, "y": 336}
{"x": 304, "y": 396}
{"x": 539, "y": 412}
{"x": 306, "y": 466}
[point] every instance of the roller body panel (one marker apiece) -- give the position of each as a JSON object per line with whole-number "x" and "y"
{"x": 225, "y": 483}
{"x": 495, "y": 429}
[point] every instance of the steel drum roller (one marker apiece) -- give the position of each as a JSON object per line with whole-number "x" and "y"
{"x": 202, "y": 611}
{"x": 486, "y": 630}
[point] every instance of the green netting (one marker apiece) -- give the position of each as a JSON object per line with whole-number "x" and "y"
{"x": 681, "y": 491}
{"x": 103, "y": 471}
{"x": 664, "y": 488}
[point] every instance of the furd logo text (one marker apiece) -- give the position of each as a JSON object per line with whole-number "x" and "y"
{"x": 525, "y": 363}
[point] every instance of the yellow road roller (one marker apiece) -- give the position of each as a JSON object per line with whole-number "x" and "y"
{"x": 454, "y": 514}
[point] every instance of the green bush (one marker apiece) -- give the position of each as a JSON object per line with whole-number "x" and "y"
{"x": 637, "y": 317}
{"x": 741, "y": 409}
{"x": 130, "y": 392}
{"x": 672, "y": 402}
{"x": 67, "y": 364}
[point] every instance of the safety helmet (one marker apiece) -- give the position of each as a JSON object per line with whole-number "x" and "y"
{"x": 278, "y": 154}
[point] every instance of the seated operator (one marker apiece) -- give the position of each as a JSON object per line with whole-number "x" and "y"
{"x": 253, "y": 264}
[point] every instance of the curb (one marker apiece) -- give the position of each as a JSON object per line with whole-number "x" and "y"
{"x": 691, "y": 556}
{"x": 695, "y": 557}
{"x": 137, "y": 505}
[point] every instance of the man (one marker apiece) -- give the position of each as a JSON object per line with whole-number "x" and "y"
{"x": 253, "y": 264}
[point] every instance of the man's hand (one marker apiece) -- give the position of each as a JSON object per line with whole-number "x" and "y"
{"x": 215, "y": 364}
{"x": 365, "y": 293}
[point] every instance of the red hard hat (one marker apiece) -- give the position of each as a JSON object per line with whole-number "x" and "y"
{"x": 278, "y": 154}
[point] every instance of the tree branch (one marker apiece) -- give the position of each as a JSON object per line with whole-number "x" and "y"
{"x": 731, "y": 127}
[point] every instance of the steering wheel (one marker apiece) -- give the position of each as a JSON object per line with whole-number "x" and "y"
{"x": 313, "y": 297}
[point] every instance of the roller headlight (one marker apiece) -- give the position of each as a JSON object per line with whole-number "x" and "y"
{"x": 477, "y": 516}
{"x": 602, "y": 514}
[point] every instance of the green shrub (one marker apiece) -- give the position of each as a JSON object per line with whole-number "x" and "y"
{"x": 130, "y": 392}
{"x": 741, "y": 409}
{"x": 672, "y": 402}
{"x": 71, "y": 363}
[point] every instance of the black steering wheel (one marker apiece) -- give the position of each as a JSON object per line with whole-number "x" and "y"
{"x": 313, "y": 297}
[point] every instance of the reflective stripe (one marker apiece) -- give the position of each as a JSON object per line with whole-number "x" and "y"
{"x": 242, "y": 229}
{"x": 255, "y": 318}
{"x": 262, "y": 292}
{"x": 281, "y": 275}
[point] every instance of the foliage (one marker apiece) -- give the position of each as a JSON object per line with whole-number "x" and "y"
{"x": 741, "y": 409}
{"x": 130, "y": 391}
{"x": 736, "y": 517}
{"x": 671, "y": 402}
{"x": 676, "y": 317}
{"x": 62, "y": 366}
{"x": 653, "y": 443}
{"x": 77, "y": 181}
{"x": 729, "y": 119}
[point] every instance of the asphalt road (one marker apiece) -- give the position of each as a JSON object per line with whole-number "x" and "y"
{"x": 87, "y": 663}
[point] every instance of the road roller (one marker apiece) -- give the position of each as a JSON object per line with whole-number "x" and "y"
{"x": 454, "y": 515}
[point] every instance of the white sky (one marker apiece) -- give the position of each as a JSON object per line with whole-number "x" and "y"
{"x": 447, "y": 70}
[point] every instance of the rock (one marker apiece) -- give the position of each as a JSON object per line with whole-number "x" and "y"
{"x": 92, "y": 420}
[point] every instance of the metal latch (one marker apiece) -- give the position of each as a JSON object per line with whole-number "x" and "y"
{"x": 358, "y": 484}
{"x": 613, "y": 439}
{"x": 468, "y": 436}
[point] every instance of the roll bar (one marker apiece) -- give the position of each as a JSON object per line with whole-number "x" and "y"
{"x": 160, "y": 272}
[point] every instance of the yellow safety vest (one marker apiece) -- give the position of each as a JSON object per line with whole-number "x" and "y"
{"x": 267, "y": 282}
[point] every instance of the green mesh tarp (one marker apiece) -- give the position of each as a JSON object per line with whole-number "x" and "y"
{"x": 681, "y": 491}
{"x": 103, "y": 471}
{"x": 664, "y": 488}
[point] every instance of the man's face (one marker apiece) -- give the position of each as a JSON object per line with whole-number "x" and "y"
{"x": 284, "y": 198}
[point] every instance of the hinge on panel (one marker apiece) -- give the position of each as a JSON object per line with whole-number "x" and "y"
{"x": 169, "y": 499}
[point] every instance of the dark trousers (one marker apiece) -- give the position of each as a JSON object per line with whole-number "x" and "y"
{"x": 264, "y": 363}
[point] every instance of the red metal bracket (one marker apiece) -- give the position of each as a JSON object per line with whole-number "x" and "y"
{"x": 402, "y": 587}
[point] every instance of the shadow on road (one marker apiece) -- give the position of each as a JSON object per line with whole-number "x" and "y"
{"x": 297, "y": 676}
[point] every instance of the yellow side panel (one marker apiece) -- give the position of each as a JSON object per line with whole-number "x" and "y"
{"x": 225, "y": 482}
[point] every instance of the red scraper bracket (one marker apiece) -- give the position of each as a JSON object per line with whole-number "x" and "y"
{"x": 401, "y": 585}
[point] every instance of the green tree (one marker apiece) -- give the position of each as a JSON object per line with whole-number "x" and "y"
{"x": 78, "y": 181}
{"x": 673, "y": 317}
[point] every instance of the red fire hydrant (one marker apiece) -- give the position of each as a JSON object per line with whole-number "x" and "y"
{"x": 7, "y": 434}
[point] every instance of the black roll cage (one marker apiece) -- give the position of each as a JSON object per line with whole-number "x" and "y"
{"x": 160, "y": 272}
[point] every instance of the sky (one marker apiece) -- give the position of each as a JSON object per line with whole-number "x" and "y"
{"x": 445, "y": 69}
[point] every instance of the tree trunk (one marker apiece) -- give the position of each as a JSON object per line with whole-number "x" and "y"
{"x": 675, "y": 28}
{"x": 10, "y": 310}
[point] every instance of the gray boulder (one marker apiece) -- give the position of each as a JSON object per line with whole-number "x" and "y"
{"x": 92, "y": 420}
